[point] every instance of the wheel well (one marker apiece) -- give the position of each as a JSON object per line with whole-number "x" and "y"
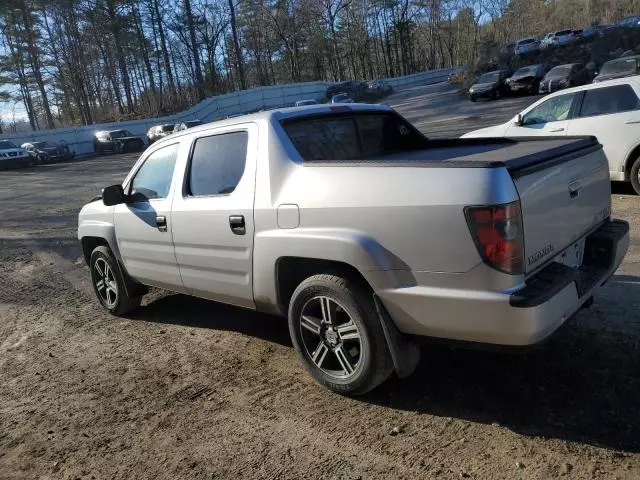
{"x": 291, "y": 271}
{"x": 635, "y": 153}
{"x": 89, "y": 244}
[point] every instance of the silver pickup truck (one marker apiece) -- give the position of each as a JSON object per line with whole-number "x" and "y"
{"x": 361, "y": 230}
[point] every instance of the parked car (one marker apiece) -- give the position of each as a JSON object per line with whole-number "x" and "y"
{"x": 117, "y": 141}
{"x": 629, "y": 22}
{"x": 354, "y": 88}
{"x": 380, "y": 86}
{"x": 564, "y": 76}
{"x": 12, "y": 156}
{"x": 526, "y": 79}
{"x": 618, "y": 68}
{"x": 48, "y": 152}
{"x": 507, "y": 50}
{"x": 470, "y": 248}
{"x": 178, "y": 127}
{"x": 159, "y": 131}
{"x": 561, "y": 37}
{"x": 342, "y": 98}
{"x": 527, "y": 45}
{"x": 489, "y": 85}
{"x": 595, "y": 31}
{"x": 606, "y": 110}
{"x": 544, "y": 43}
{"x": 302, "y": 103}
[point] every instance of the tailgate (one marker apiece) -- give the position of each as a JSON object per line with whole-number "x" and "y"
{"x": 562, "y": 199}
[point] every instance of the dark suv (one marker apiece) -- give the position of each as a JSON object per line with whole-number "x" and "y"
{"x": 117, "y": 141}
{"x": 354, "y": 88}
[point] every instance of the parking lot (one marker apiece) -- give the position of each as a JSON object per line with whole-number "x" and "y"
{"x": 191, "y": 389}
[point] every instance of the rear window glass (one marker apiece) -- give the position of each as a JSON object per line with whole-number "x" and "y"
{"x": 353, "y": 137}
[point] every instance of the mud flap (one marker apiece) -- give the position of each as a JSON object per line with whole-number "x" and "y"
{"x": 405, "y": 353}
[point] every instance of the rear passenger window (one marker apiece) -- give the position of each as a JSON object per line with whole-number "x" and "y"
{"x": 217, "y": 163}
{"x": 608, "y": 100}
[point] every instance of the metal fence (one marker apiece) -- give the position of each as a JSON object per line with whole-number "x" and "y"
{"x": 80, "y": 139}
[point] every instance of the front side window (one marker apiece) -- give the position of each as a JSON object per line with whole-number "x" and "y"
{"x": 604, "y": 101}
{"x": 153, "y": 179}
{"x": 553, "y": 110}
{"x": 217, "y": 163}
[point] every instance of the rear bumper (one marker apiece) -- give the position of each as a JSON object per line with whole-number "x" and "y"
{"x": 523, "y": 317}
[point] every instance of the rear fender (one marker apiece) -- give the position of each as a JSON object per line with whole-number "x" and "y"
{"x": 347, "y": 246}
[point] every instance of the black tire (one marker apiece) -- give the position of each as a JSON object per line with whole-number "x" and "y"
{"x": 124, "y": 301}
{"x": 473, "y": 99}
{"x": 635, "y": 176}
{"x": 374, "y": 363}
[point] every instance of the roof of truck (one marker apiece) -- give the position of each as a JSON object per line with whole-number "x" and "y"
{"x": 281, "y": 114}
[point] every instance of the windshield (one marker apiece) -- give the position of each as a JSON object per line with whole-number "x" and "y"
{"x": 5, "y": 145}
{"x": 526, "y": 41}
{"x": 122, "y": 134}
{"x": 561, "y": 71}
{"x": 619, "y": 66}
{"x": 562, "y": 33}
{"x": 532, "y": 70}
{"x": 342, "y": 96}
{"x": 165, "y": 128}
{"x": 490, "y": 77}
{"x": 193, "y": 123}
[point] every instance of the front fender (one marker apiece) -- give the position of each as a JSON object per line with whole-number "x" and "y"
{"x": 96, "y": 220}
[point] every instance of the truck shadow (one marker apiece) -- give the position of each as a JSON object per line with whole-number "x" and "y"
{"x": 583, "y": 385}
{"x": 194, "y": 312}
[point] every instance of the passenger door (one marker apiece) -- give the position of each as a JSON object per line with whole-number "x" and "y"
{"x": 547, "y": 118}
{"x": 213, "y": 217}
{"x": 611, "y": 114}
{"x": 143, "y": 225}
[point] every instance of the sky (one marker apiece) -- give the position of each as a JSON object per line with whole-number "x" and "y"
{"x": 7, "y": 112}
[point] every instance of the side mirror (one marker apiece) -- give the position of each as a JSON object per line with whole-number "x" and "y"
{"x": 113, "y": 195}
{"x": 519, "y": 120}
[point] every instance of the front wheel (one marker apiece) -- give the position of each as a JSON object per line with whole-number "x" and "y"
{"x": 635, "y": 176}
{"x": 109, "y": 284}
{"x": 336, "y": 331}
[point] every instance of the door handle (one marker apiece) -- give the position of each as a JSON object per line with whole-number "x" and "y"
{"x": 556, "y": 130}
{"x": 631, "y": 122}
{"x": 161, "y": 223}
{"x": 236, "y": 222}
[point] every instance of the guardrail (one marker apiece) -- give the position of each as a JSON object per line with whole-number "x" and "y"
{"x": 80, "y": 139}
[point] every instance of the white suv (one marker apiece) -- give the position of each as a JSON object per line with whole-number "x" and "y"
{"x": 608, "y": 110}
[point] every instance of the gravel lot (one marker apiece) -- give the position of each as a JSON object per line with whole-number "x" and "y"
{"x": 191, "y": 389}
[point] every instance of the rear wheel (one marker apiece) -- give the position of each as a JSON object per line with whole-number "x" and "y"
{"x": 337, "y": 333}
{"x": 108, "y": 283}
{"x": 635, "y": 176}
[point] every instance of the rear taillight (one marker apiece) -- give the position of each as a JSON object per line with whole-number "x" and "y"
{"x": 497, "y": 233}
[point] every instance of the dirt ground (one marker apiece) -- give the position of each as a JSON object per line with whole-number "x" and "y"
{"x": 191, "y": 389}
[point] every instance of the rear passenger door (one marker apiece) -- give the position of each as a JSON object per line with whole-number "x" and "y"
{"x": 611, "y": 114}
{"x": 213, "y": 216}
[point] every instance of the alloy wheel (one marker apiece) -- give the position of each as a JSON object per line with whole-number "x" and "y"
{"x": 105, "y": 282}
{"x": 330, "y": 337}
